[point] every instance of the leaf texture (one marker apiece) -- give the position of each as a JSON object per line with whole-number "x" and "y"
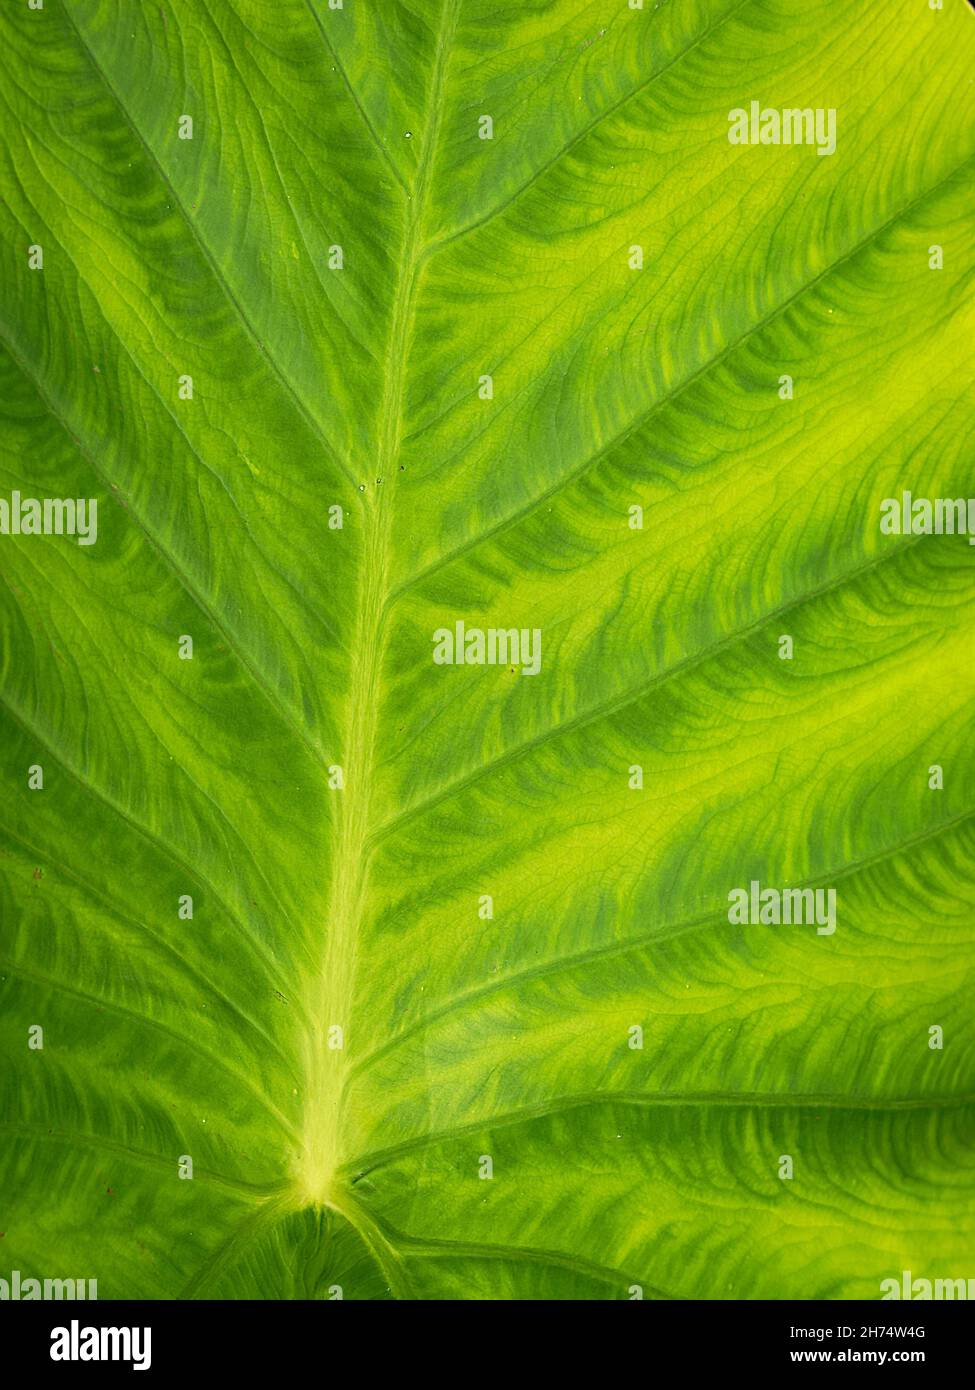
{"x": 354, "y": 135}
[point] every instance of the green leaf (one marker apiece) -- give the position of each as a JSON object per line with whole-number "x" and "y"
{"x": 338, "y": 259}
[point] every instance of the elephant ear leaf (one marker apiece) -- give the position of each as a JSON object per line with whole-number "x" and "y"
{"x": 486, "y": 713}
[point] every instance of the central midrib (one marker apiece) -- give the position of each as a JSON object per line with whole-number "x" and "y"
{"x": 330, "y": 998}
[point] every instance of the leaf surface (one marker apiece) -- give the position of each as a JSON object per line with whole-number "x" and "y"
{"x": 354, "y": 135}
